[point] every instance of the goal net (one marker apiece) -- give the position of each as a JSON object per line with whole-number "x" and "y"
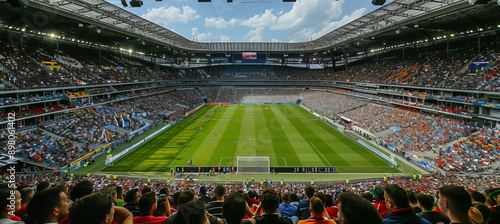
{"x": 253, "y": 164}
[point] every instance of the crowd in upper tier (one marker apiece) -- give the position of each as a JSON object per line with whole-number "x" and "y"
{"x": 433, "y": 66}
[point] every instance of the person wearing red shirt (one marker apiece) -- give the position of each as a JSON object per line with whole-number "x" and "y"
{"x": 332, "y": 210}
{"x": 7, "y": 196}
{"x": 380, "y": 204}
{"x": 26, "y": 195}
{"x": 253, "y": 198}
{"x": 147, "y": 205}
{"x": 317, "y": 209}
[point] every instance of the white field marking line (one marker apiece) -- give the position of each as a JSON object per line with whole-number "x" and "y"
{"x": 179, "y": 154}
{"x": 222, "y": 158}
{"x": 320, "y": 153}
{"x": 284, "y": 159}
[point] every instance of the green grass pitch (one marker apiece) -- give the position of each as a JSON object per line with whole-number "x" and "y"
{"x": 288, "y": 134}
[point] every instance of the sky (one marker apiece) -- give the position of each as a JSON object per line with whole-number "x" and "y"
{"x": 251, "y": 20}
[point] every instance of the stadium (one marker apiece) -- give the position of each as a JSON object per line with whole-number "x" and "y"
{"x": 403, "y": 97}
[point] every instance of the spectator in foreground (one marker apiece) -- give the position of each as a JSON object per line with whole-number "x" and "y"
{"x": 285, "y": 208}
{"x": 380, "y": 204}
{"x": 413, "y": 201}
{"x": 27, "y": 194}
{"x": 303, "y": 206}
{"x": 131, "y": 199}
{"x": 147, "y": 205}
{"x": 98, "y": 208}
{"x": 7, "y": 195}
{"x": 425, "y": 202}
{"x": 192, "y": 212}
{"x": 494, "y": 196}
{"x": 215, "y": 207}
{"x": 48, "y": 206}
{"x": 353, "y": 209}
{"x": 485, "y": 211}
{"x": 269, "y": 202}
{"x": 317, "y": 210}
{"x": 234, "y": 208}
{"x": 203, "y": 195}
{"x": 397, "y": 202}
{"x": 455, "y": 202}
{"x": 332, "y": 210}
{"x": 42, "y": 186}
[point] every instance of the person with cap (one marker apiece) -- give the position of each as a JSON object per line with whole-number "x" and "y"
{"x": 484, "y": 210}
{"x": 494, "y": 196}
{"x": 378, "y": 194}
{"x": 203, "y": 195}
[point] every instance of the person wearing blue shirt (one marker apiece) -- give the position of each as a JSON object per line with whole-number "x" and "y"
{"x": 286, "y": 209}
{"x": 303, "y": 206}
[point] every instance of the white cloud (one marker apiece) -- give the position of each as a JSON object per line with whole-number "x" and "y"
{"x": 308, "y": 33}
{"x": 199, "y": 36}
{"x": 219, "y": 23}
{"x": 308, "y": 18}
{"x": 224, "y": 38}
{"x": 275, "y": 40}
{"x": 255, "y": 35}
{"x": 165, "y": 16}
{"x": 304, "y": 13}
{"x": 336, "y": 24}
{"x": 265, "y": 19}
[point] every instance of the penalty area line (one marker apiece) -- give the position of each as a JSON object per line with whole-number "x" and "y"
{"x": 320, "y": 153}
{"x": 179, "y": 155}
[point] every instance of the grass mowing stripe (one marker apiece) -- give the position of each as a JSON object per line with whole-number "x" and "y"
{"x": 302, "y": 123}
{"x": 145, "y": 158}
{"x": 246, "y": 141}
{"x": 287, "y": 132}
{"x": 264, "y": 146}
{"x": 354, "y": 148}
{"x": 281, "y": 145}
{"x": 210, "y": 151}
{"x": 307, "y": 155}
{"x": 342, "y": 153}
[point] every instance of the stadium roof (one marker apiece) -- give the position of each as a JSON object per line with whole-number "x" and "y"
{"x": 397, "y": 22}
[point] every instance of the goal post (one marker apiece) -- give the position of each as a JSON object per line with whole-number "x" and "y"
{"x": 253, "y": 164}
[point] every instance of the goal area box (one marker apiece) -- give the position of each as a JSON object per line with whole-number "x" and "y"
{"x": 253, "y": 165}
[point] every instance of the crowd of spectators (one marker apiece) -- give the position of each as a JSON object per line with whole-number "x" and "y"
{"x": 267, "y": 95}
{"x": 432, "y": 66}
{"x": 38, "y": 147}
{"x": 211, "y": 93}
{"x": 389, "y": 199}
{"x": 57, "y": 142}
{"x": 447, "y": 143}
{"x": 226, "y": 94}
{"x": 476, "y": 153}
{"x": 330, "y": 104}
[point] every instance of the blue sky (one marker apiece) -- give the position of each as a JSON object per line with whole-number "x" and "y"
{"x": 260, "y": 21}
